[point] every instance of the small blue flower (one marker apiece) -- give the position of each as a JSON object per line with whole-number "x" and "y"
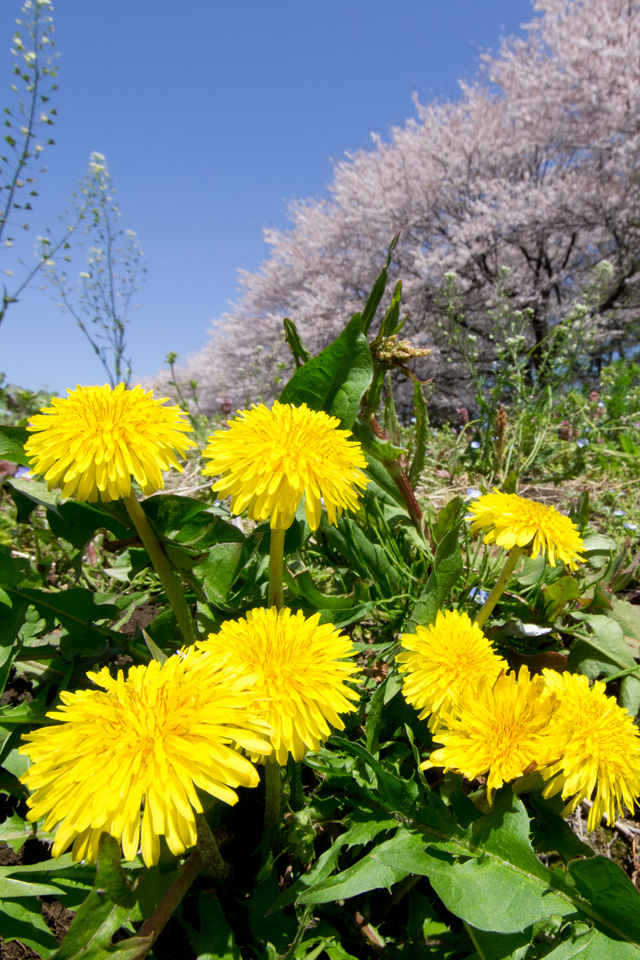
{"x": 23, "y": 472}
{"x": 601, "y": 404}
{"x": 619, "y": 513}
{"x": 473, "y": 493}
{"x": 582, "y": 442}
{"x": 631, "y": 526}
{"x": 475, "y": 444}
{"x": 480, "y": 596}
{"x": 413, "y": 420}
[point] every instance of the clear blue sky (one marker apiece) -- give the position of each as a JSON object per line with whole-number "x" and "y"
{"x": 212, "y": 114}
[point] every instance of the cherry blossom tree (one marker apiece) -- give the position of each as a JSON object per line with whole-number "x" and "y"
{"x": 514, "y": 204}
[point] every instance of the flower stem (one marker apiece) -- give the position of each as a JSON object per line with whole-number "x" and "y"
{"x": 276, "y": 567}
{"x": 162, "y": 567}
{"x": 513, "y": 556}
{"x": 154, "y": 925}
{"x": 273, "y": 792}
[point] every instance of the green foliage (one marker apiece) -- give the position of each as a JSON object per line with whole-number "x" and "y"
{"x": 536, "y": 412}
{"x": 372, "y": 853}
{"x": 336, "y": 379}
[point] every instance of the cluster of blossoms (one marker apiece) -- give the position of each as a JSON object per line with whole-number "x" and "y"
{"x": 495, "y": 723}
{"x": 266, "y": 686}
{"x": 270, "y": 685}
{"x": 274, "y": 683}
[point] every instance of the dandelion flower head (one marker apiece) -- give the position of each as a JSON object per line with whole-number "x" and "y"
{"x": 298, "y": 666}
{"x": 499, "y": 729}
{"x": 92, "y": 442}
{"x": 442, "y": 661}
{"x": 269, "y": 459}
{"x": 512, "y": 521}
{"x": 150, "y": 739}
{"x": 596, "y": 746}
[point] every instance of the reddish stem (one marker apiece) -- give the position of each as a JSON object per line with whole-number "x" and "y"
{"x": 155, "y": 924}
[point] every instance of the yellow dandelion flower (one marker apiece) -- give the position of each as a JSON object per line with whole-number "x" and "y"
{"x": 515, "y": 521}
{"x": 269, "y": 459}
{"x": 596, "y": 747}
{"x": 148, "y": 740}
{"x": 297, "y": 665}
{"x": 93, "y": 441}
{"x": 442, "y": 661}
{"x": 498, "y": 730}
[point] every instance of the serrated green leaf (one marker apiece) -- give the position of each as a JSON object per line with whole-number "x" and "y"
{"x": 53, "y": 865}
{"x": 13, "y": 613}
{"x": 628, "y": 616}
{"x": 382, "y": 450}
{"x": 558, "y": 594}
{"x": 495, "y": 881}
{"x": 33, "y": 712}
{"x": 610, "y": 892}
{"x": 336, "y": 379}
{"x": 369, "y": 873}
{"x": 551, "y": 833}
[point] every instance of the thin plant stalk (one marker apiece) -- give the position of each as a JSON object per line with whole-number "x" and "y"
{"x": 512, "y": 559}
{"x": 155, "y": 924}
{"x": 162, "y": 567}
{"x": 276, "y": 569}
